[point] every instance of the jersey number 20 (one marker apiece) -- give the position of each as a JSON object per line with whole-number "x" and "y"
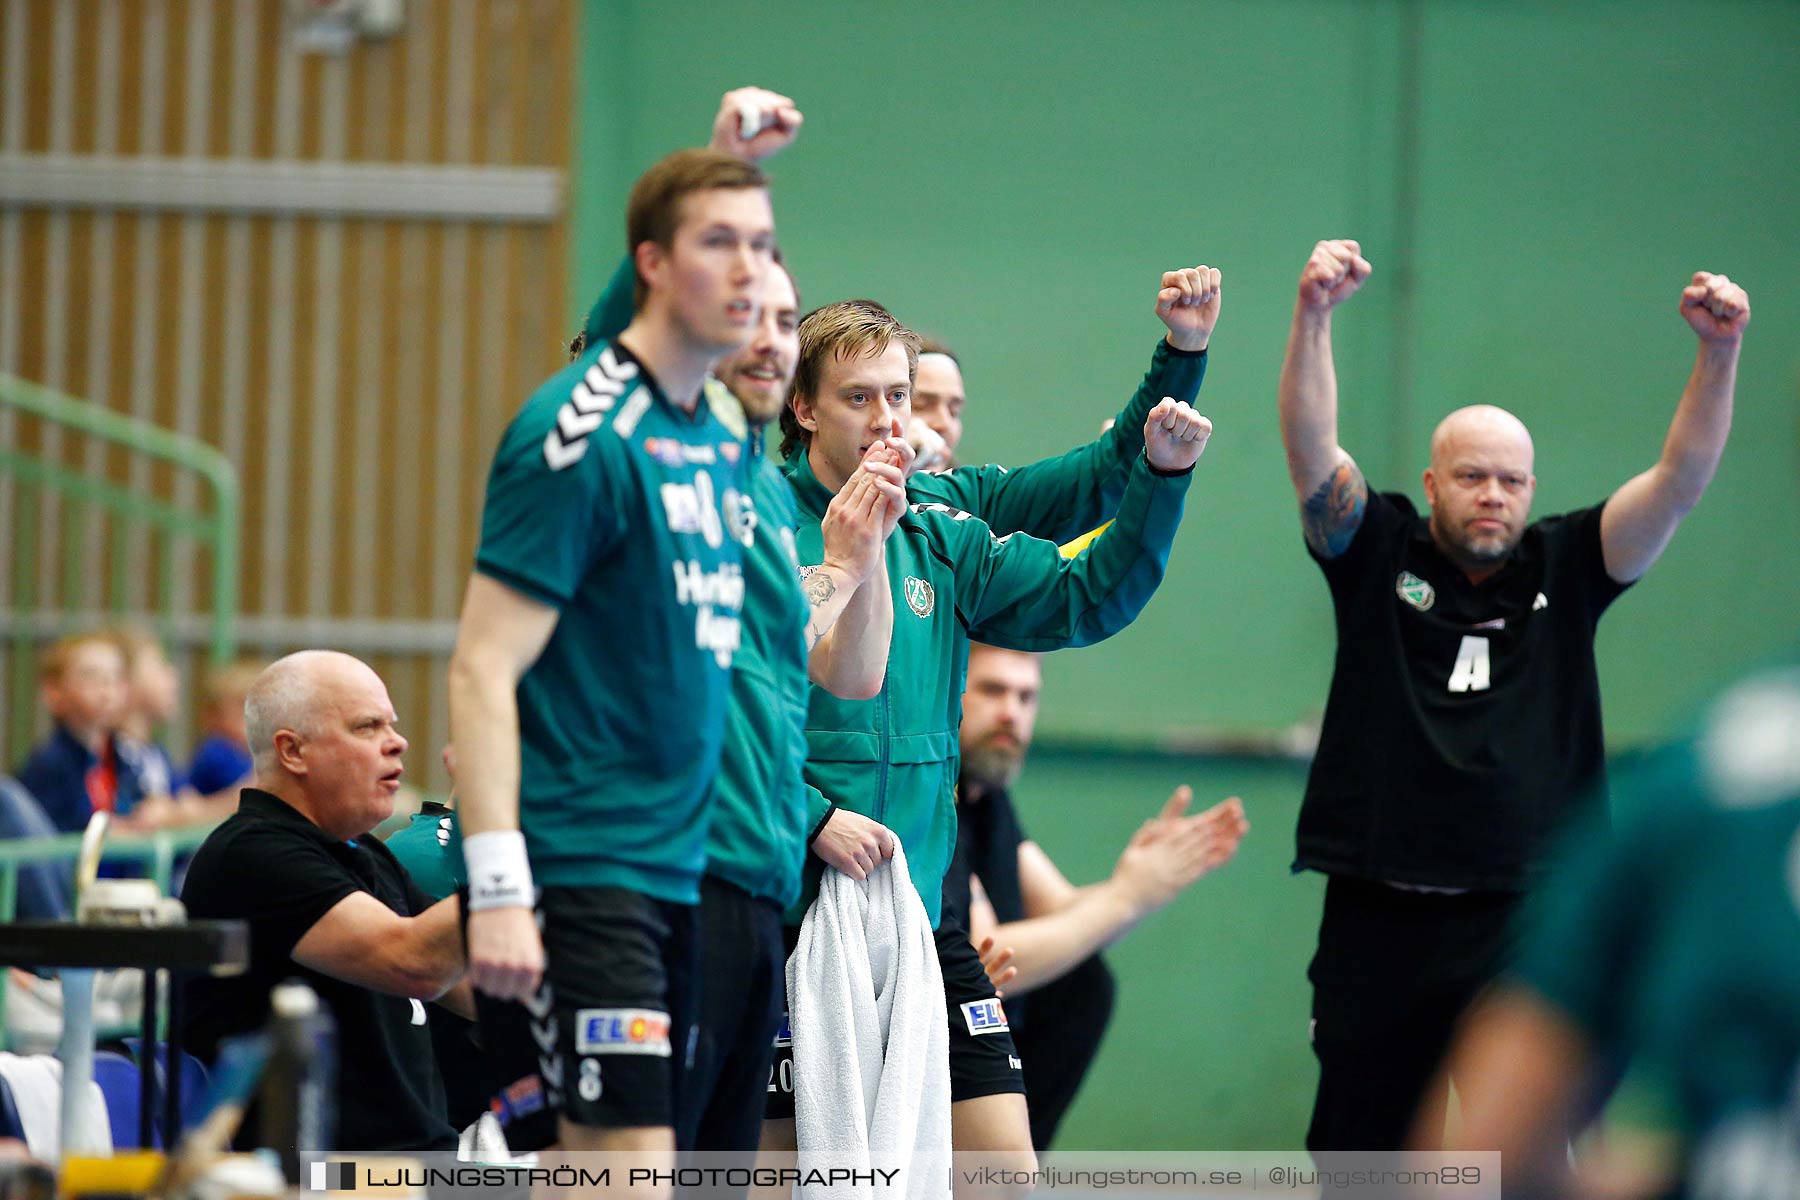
{"x": 1470, "y": 674}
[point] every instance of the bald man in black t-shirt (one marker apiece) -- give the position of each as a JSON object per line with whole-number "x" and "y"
{"x": 1463, "y": 723}
{"x": 328, "y": 904}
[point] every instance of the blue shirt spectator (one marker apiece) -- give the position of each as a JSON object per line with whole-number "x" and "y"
{"x": 71, "y": 781}
{"x": 44, "y": 889}
{"x": 218, "y": 763}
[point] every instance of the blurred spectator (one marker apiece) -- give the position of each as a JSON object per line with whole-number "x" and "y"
{"x": 222, "y": 760}
{"x": 78, "y": 770}
{"x": 44, "y": 889}
{"x": 45, "y": 892}
{"x": 152, "y": 692}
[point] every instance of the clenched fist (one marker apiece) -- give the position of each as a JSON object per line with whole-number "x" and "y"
{"x": 1717, "y": 308}
{"x": 1188, "y": 303}
{"x": 506, "y": 952}
{"x": 1174, "y": 435}
{"x": 754, "y": 123}
{"x": 1335, "y": 270}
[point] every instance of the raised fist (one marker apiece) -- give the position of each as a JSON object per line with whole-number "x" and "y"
{"x": 1188, "y": 304}
{"x": 754, "y": 123}
{"x": 1335, "y": 270}
{"x": 1174, "y": 435}
{"x": 930, "y": 450}
{"x": 1717, "y": 308}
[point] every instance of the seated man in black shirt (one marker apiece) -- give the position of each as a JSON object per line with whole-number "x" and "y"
{"x": 1060, "y": 996}
{"x": 329, "y": 904}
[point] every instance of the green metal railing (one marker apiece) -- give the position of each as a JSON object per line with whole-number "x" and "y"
{"x": 37, "y": 618}
{"x": 155, "y": 852}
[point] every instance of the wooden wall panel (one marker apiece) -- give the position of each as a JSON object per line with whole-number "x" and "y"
{"x": 357, "y": 371}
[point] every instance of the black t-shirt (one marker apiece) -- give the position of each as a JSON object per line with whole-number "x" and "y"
{"x": 1463, "y": 725}
{"x": 271, "y": 866}
{"x": 988, "y": 835}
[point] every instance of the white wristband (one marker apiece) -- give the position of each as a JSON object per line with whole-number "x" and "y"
{"x": 499, "y": 872}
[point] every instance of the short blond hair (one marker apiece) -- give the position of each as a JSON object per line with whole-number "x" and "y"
{"x": 54, "y": 662}
{"x": 847, "y": 329}
{"x": 136, "y": 642}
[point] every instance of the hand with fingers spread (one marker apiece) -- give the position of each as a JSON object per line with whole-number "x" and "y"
{"x": 753, "y": 123}
{"x": 1173, "y": 810}
{"x": 853, "y": 843}
{"x": 1218, "y": 831}
{"x": 1717, "y": 308}
{"x": 997, "y": 962}
{"x": 1188, "y": 303}
{"x": 1171, "y": 851}
{"x": 1336, "y": 269}
{"x": 1174, "y": 436}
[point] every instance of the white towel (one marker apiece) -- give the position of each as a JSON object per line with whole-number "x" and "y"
{"x": 36, "y": 1083}
{"x": 871, "y": 1042}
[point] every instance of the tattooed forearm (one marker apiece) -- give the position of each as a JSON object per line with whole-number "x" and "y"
{"x": 819, "y": 587}
{"x": 1331, "y": 516}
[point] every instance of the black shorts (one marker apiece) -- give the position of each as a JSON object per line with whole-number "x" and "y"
{"x": 743, "y": 972}
{"x": 983, "y": 1059}
{"x": 609, "y": 1037}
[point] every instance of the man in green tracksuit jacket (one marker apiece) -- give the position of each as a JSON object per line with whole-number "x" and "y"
{"x": 892, "y": 761}
{"x": 755, "y": 846}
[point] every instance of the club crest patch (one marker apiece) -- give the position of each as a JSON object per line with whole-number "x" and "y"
{"x": 1415, "y": 591}
{"x": 740, "y": 516}
{"x": 919, "y": 596}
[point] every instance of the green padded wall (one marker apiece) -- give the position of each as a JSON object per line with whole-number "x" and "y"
{"x": 1013, "y": 176}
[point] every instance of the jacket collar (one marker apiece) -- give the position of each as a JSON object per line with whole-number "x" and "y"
{"x": 812, "y": 495}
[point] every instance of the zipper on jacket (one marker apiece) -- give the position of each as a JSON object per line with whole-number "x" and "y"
{"x": 881, "y": 780}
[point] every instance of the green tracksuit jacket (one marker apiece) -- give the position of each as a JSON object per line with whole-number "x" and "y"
{"x": 895, "y": 758}
{"x": 1063, "y": 497}
{"x": 756, "y": 836}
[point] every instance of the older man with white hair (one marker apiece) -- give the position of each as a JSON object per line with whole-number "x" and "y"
{"x": 328, "y": 904}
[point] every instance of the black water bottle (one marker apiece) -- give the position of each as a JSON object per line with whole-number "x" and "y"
{"x": 298, "y": 1102}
